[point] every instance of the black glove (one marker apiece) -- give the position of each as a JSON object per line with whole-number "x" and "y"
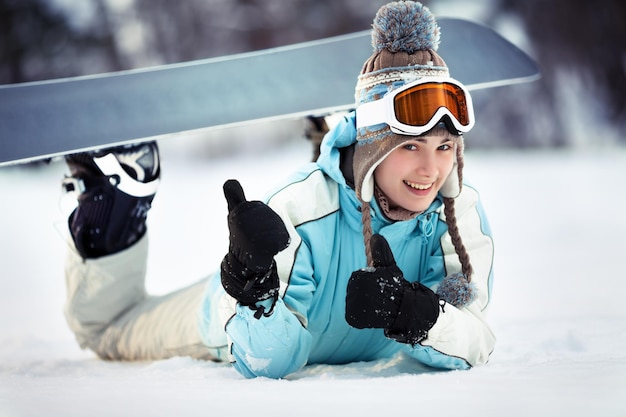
{"x": 381, "y": 298}
{"x": 257, "y": 233}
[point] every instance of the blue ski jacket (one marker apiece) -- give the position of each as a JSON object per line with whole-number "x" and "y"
{"x": 308, "y": 326}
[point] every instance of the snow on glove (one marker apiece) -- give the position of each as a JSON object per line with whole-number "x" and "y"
{"x": 380, "y": 297}
{"x": 257, "y": 233}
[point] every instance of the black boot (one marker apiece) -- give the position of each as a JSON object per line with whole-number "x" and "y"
{"x": 115, "y": 189}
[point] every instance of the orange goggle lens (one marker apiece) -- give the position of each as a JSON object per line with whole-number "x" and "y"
{"x": 417, "y": 105}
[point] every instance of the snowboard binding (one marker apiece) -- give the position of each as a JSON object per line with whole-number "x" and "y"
{"x": 114, "y": 188}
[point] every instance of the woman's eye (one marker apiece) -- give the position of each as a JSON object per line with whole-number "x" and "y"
{"x": 445, "y": 147}
{"x": 410, "y": 147}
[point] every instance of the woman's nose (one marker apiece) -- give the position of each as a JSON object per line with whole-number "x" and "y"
{"x": 426, "y": 166}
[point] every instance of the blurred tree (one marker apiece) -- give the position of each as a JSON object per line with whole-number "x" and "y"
{"x": 39, "y": 42}
{"x": 194, "y": 29}
{"x": 581, "y": 47}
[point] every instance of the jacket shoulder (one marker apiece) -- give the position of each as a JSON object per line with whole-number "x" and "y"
{"x": 308, "y": 195}
{"x": 466, "y": 202}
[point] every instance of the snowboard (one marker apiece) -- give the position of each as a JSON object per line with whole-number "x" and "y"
{"x": 40, "y": 120}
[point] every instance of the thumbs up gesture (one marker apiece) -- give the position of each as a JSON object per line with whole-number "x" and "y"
{"x": 256, "y": 235}
{"x": 380, "y": 297}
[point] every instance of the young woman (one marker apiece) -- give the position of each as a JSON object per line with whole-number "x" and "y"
{"x": 376, "y": 248}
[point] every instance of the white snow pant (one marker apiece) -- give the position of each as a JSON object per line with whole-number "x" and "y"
{"x": 110, "y": 312}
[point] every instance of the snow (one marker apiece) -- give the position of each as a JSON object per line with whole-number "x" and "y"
{"x": 558, "y": 219}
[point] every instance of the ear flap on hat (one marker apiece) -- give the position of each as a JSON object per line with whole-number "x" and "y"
{"x": 366, "y": 191}
{"x": 367, "y": 187}
{"x": 451, "y": 187}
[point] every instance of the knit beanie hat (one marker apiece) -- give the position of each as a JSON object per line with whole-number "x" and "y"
{"x": 405, "y": 38}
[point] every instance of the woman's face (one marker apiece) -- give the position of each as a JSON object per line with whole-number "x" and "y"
{"x": 412, "y": 174}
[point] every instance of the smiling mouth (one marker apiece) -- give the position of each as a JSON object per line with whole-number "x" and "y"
{"x": 419, "y": 186}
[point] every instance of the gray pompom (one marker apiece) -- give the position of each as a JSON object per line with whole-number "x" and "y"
{"x": 456, "y": 290}
{"x": 405, "y": 26}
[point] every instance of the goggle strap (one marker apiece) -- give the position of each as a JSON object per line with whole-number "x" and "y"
{"x": 371, "y": 113}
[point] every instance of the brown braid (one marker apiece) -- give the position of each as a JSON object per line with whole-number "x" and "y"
{"x": 460, "y": 162}
{"x": 453, "y": 229}
{"x": 367, "y": 231}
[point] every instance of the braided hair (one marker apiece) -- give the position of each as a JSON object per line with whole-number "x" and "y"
{"x": 453, "y": 230}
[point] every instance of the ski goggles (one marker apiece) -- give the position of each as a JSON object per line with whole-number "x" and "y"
{"x": 418, "y": 106}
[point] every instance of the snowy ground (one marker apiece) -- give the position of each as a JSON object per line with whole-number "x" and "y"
{"x": 559, "y": 221}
